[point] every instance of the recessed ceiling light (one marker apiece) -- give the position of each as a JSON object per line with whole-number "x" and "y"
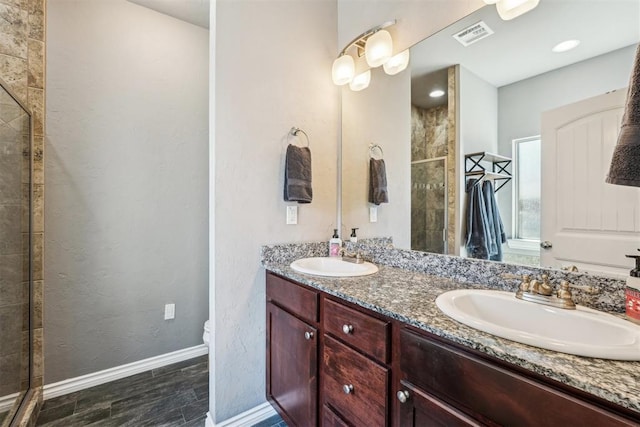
{"x": 436, "y": 93}
{"x": 565, "y": 46}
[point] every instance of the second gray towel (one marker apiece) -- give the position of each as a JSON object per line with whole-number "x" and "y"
{"x": 625, "y": 164}
{"x": 297, "y": 175}
{"x": 377, "y": 182}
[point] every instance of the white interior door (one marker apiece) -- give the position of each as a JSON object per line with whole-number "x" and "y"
{"x": 590, "y": 224}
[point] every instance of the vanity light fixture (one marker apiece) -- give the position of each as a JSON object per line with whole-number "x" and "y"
{"x": 565, "y": 46}
{"x": 376, "y": 45}
{"x": 361, "y": 81}
{"x": 397, "y": 63}
{"x": 509, "y": 9}
{"x": 437, "y": 93}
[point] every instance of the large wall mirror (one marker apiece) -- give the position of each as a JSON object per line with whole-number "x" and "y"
{"x": 497, "y": 94}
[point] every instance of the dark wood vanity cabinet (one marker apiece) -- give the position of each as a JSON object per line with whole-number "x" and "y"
{"x": 292, "y": 351}
{"x": 333, "y": 364}
{"x": 448, "y": 385}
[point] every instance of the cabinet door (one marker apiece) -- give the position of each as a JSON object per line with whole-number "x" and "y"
{"x": 418, "y": 409}
{"x": 292, "y": 366}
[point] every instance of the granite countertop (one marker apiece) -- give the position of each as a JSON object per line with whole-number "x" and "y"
{"x": 409, "y": 297}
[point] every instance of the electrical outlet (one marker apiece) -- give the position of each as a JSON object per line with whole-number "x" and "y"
{"x": 292, "y": 215}
{"x": 169, "y": 311}
{"x": 373, "y": 214}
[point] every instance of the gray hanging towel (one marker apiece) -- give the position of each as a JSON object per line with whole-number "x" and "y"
{"x": 625, "y": 164}
{"x": 297, "y": 175}
{"x": 377, "y": 182}
{"x": 496, "y": 228}
{"x": 477, "y": 237}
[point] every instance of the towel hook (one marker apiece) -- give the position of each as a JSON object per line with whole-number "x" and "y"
{"x": 295, "y": 131}
{"x": 372, "y": 148}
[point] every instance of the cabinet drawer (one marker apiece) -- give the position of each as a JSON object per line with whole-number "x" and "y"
{"x": 354, "y": 385}
{"x": 492, "y": 393}
{"x": 360, "y": 330}
{"x": 331, "y": 419}
{"x": 298, "y": 300}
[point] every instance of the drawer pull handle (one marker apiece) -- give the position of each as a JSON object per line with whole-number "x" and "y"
{"x": 403, "y": 396}
{"x": 347, "y": 329}
{"x": 308, "y": 335}
{"x": 347, "y": 388}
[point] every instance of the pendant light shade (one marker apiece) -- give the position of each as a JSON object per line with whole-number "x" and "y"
{"x": 361, "y": 81}
{"x": 509, "y": 9}
{"x": 625, "y": 163}
{"x": 378, "y": 48}
{"x": 343, "y": 70}
{"x": 491, "y": 1}
{"x": 397, "y": 63}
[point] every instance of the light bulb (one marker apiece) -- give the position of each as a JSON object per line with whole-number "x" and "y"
{"x": 397, "y": 63}
{"x": 343, "y": 70}
{"x": 437, "y": 93}
{"x": 361, "y": 81}
{"x": 378, "y": 48}
{"x": 509, "y": 9}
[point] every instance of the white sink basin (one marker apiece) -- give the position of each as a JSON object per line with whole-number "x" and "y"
{"x": 583, "y": 332}
{"x": 333, "y": 266}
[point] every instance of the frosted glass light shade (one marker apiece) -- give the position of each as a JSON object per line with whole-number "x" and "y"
{"x": 491, "y": 1}
{"x": 378, "y": 48}
{"x": 509, "y": 9}
{"x": 343, "y": 70}
{"x": 397, "y": 63}
{"x": 361, "y": 81}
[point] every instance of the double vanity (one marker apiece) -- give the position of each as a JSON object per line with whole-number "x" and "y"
{"x": 375, "y": 350}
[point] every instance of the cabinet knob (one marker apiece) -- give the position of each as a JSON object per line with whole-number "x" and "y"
{"x": 347, "y": 388}
{"x": 308, "y": 335}
{"x": 403, "y": 396}
{"x": 347, "y": 329}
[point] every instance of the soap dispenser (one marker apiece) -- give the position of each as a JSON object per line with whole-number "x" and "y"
{"x": 353, "y": 238}
{"x": 632, "y": 292}
{"x": 335, "y": 244}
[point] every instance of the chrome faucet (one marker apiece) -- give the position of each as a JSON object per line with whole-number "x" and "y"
{"x": 355, "y": 257}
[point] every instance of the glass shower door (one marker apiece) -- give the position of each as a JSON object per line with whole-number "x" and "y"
{"x": 15, "y": 254}
{"x": 429, "y": 205}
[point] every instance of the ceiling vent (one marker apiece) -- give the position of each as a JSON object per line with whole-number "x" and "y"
{"x": 473, "y": 33}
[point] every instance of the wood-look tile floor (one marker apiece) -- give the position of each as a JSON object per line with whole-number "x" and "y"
{"x": 174, "y": 395}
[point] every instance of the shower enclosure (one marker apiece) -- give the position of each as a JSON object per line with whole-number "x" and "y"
{"x": 15, "y": 255}
{"x": 429, "y": 205}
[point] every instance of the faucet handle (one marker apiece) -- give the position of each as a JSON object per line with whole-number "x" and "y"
{"x": 564, "y": 292}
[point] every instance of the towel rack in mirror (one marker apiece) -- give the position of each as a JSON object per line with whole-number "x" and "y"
{"x": 473, "y": 167}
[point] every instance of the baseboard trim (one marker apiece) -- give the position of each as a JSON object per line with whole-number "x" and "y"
{"x": 96, "y": 378}
{"x": 7, "y": 402}
{"x": 246, "y": 419}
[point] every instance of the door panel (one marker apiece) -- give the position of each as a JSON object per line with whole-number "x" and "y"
{"x": 590, "y": 223}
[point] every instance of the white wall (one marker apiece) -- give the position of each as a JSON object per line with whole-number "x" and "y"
{"x": 273, "y": 71}
{"x": 126, "y": 171}
{"x": 521, "y": 103}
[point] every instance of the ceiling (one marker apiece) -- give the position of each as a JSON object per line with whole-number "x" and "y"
{"x": 521, "y": 48}
{"x": 193, "y": 11}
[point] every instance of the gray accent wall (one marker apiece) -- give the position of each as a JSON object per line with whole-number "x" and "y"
{"x": 520, "y": 104}
{"x": 127, "y": 200}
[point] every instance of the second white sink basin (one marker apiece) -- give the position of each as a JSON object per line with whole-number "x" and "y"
{"x": 333, "y": 267}
{"x": 583, "y": 332}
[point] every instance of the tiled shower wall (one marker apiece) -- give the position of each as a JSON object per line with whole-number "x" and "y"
{"x": 22, "y": 66}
